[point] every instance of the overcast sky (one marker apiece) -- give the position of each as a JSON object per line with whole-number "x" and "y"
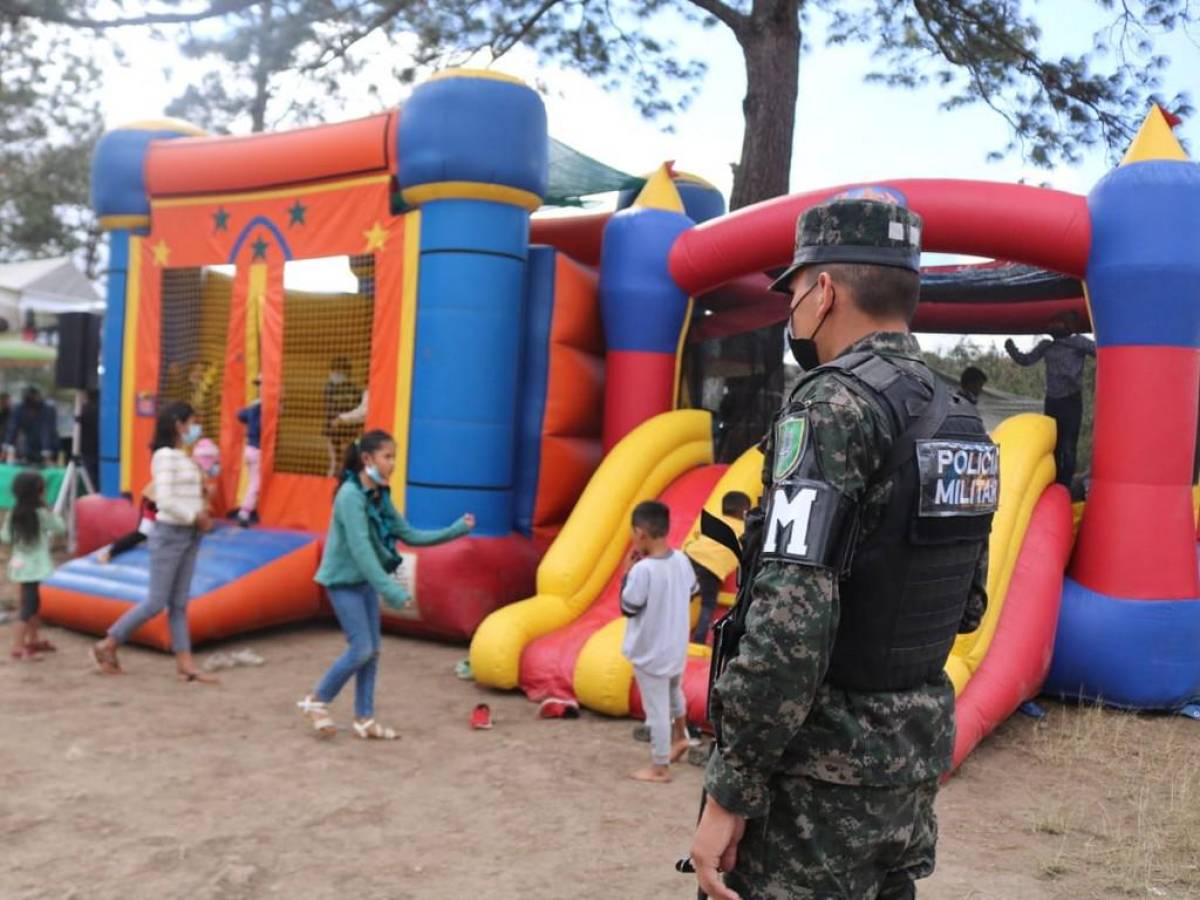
{"x": 846, "y": 130}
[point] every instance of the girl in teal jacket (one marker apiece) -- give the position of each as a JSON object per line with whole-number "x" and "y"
{"x": 357, "y": 570}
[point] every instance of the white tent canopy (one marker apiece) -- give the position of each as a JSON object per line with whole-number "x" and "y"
{"x": 47, "y": 286}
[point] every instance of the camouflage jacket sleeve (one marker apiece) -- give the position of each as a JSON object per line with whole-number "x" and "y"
{"x": 977, "y": 600}
{"x": 764, "y": 695}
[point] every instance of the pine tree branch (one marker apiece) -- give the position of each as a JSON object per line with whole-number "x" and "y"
{"x": 503, "y": 43}
{"x": 32, "y": 9}
{"x": 723, "y": 12}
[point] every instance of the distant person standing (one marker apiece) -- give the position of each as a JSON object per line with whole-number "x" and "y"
{"x": 341, "y": 396}
{"x": 970, "y": 384}
{"x": 251, "y": 417}
{"x": 5, "y": 413}
{"x": 1064, "y": 354}
{"x": 32, "y": 433}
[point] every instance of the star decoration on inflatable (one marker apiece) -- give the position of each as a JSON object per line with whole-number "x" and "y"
{"x": 296, "y": 214}
{"x": 260, "y": 248}
{"x": 376, "y": 237}
{"x": 220, "y": 219}
{"x": 162, "y": 253}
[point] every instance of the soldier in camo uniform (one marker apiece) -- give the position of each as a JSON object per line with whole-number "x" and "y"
{"x": 834, "y": 716}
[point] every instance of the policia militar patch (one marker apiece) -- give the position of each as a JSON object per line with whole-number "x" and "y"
{"x": 958, "y": 478}
{"x": 791, "y": 440}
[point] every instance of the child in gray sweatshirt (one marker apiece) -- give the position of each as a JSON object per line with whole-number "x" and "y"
{"x": 656, "y": 596}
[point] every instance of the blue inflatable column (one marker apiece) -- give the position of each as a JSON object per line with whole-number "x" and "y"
{"x": 122, "y": 205}
{"x": 473, "y": 155}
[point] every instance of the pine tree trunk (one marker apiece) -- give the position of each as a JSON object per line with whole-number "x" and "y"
{"x": 262, "y": 72}
{"x": 770, "y": 42}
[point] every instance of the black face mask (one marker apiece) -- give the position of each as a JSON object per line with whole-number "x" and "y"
{"x": 804, "y": 350}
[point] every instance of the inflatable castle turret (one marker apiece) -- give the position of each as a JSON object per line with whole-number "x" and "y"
{"x": 1129, "y": 631}
{"x": 645, "y": 313}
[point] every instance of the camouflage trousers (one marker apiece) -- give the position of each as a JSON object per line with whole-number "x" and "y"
{"x": 838, "y": 842}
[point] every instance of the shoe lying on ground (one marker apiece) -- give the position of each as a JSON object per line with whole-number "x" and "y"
{"x": 641, "y": 733}
{"x": 462, "y": 669}
{"x": 481, "y": 717}
{"x": 220, "y": 660}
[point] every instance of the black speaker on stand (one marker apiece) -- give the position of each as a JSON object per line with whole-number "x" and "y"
{"x": 76, "y": 368}
{"x": 78, "y": 352}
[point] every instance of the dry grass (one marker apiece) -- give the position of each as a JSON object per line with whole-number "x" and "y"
{"x": 1134, "y": 822}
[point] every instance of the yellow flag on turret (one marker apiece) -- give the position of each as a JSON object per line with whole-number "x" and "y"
{"x": 1154, "y": 140}
{"x": 660, "y": 192}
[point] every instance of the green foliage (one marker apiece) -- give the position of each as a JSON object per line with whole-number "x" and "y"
{"x": 975, "y": 51}
{"x": 49, "y": 122}
{"x": 286, "y": 61}
{"x": 1028, "y": 381}
{"x": 988, "y": 51}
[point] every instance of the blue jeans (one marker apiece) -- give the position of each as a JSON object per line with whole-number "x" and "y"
{"x": 357, "y": 609}
{"x": 173, "y": 550}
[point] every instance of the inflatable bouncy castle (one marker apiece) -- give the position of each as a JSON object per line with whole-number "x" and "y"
{"x": 390, "y": 273}
{"x": 482, "y": 351}
{"x": 1127, "y": 633}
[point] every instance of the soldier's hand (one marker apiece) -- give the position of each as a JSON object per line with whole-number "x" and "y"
{"x": 714, "y": 849}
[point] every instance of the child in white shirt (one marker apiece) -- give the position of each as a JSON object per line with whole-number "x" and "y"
{"x": 656, "y": 596}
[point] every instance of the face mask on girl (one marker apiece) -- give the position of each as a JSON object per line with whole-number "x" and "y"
{"x": 192, "y": 434}
{"x": 375, "y": 476}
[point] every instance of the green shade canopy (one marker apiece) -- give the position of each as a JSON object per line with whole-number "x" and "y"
{"x": 16, "y": 354}
{"x": 574, "y": 175}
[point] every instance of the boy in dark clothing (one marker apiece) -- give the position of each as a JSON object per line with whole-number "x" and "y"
{"x": 714, "y": 562}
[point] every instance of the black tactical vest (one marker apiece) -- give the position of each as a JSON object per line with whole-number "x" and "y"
{"x": 909, "y": 579}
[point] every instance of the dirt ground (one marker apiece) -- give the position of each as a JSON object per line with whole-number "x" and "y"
{"x": 141, "y": 787}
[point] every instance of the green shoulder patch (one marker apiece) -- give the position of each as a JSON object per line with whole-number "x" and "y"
{"x": 791, "y": 439}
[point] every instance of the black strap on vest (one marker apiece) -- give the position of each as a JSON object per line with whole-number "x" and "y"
{"x": 878, "y": 373}
{"x": 923, "y": 428}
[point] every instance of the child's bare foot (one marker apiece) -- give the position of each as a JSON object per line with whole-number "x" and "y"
{"x": 104, "y": 557}
{"x": 652, "y": 774}
{"x": 679, "y": 749}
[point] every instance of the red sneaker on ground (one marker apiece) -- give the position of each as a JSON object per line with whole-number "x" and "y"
{"x": 481, "y": 717}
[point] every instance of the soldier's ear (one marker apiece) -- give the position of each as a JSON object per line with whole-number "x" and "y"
{"x": 826, "y": 294}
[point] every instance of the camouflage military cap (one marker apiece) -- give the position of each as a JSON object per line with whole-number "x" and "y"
{"x": 855, "y": 231}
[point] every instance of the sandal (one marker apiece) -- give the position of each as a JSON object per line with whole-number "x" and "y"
{"x": 44, "y": 647}
{"x": 318, "y": 713}
{"x": 197, "y": 678}
{"x": 26, "y": 654}
{"x": 370, "y": 730}
{"x": 105, "y": 660}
